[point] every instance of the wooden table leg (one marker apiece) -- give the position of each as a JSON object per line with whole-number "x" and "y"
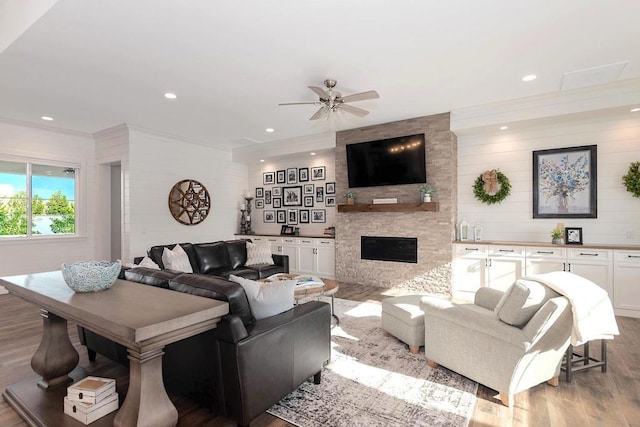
{"x": 147, "y": 403}
{"x": 56, "y": 356}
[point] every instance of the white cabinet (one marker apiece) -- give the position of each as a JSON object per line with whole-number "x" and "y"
{"x": 476, "y": 266}
{"x": 506, "y": 265}
{"x": 626, "y": 280}
{"x": 317, "y": 257}
{"x": 285, "y": 246}
{"x": 541, "y": 260}
{"x": 593, "y": 264}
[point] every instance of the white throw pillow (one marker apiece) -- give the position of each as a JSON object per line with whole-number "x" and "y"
{"x": 148, "y": 263}
{"x": 176, "y": 259}
{"x": 258, "y": 254}
{"x": 267, "y": 298}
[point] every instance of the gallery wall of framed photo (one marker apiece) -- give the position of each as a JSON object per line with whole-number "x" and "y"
{"x": 299, "y": 192}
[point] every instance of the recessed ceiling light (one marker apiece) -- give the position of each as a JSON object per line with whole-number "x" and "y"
{"x": 635, "y": 110}
{"x": 47, "y": 118}
{"x": 261, "y": 160}
{"x": 504, "y": 127}
{"x": 313, "y": 154}
{"x": 170, "y": 95}
{"x": 270, "y": 130}
{"x": 529, "y": 78}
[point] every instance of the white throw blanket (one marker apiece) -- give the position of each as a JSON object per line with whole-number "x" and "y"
{"x": 593, "y": 316}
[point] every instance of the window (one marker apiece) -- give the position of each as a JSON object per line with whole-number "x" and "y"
{"x": 37, "y": 199}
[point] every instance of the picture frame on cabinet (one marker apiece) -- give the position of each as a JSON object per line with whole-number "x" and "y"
{"x": 281, "y": 217}
{"x": 319, "y": 194}
{"x": 330, "y": 201}
{"x": 268, "y": 178}
{"x": 292, "y": 176}
{"x": 269, "y": 216}
{"x": 318, "y": 173}
{"x": 292, "y": 196}
{"x": 565, "y": 182}
{"x": 318, "y": 215}
{"x": 281, "y": 177}
{"x": 276, "y": 191}
{"x": 330, "y": 188}
{"x": 309, "y": 189}
{"x": 259, "y": 192}
{"x": 308, "y": 201}
{"x": 259, "y": 203}
{"x": 286, "y": 230}
{"x": 277, "y": 202}
{"x": 303, "y": 174}
{"x": 573, "y": 235}
{"x": 292, "y": 216}
{"x": 304, "y": 216}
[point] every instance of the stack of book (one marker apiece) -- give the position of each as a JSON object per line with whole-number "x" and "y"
{"x": 90, "y": 399}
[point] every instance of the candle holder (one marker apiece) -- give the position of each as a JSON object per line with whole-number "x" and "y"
{"x": 245, "y": 218}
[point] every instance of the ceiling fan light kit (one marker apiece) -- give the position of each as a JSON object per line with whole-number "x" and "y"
{"x": 332, "y": 101}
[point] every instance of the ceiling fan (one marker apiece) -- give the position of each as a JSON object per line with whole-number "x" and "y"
{"x": 331, "y": 100}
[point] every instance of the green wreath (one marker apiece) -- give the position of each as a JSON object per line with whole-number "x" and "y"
{"x": 499, "y": 196}
{"x": 632, "y": 179}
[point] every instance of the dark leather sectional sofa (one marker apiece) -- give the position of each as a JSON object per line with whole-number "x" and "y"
{"x": 245, "y": 365}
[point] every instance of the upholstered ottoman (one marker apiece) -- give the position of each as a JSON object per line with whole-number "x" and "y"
{"x": 403, "y": 318}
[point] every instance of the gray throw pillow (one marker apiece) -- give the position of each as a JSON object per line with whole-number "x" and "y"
{"x": 521, "y": 301}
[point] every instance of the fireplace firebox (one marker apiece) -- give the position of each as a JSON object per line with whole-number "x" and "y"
{"x": 398, "y": 249}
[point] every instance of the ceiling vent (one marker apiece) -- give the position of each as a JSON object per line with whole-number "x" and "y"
{"x": 592, "y": 76}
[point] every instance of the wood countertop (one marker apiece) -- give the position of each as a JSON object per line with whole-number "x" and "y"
{"x": 550, "y": 245}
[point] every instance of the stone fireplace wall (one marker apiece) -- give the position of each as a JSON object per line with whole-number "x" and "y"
{"x": 434, "y": 230}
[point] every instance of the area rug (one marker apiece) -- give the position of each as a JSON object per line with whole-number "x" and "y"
{"x": 374, "y": 380}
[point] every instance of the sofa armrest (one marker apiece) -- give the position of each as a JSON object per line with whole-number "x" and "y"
{"x": 488, "y": 298}
{"x": 281, "y": 260}
{"x": 231, "y": 329}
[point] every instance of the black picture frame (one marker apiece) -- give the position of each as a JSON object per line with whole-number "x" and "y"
{"x": 292, "y": 176}
{"x": 292, "y": 196}
{"x": 308, "y": 201}
{"x": 281, "y": 177}
{"x": 276, "y": 191}
{"x": 267, "y": 197}
{"x": 259, "y": 203}
{"x": 319, "y": 194}
{"x": 303, "y": 174}
{"x": 277, "y": 202}
{"x": 309, "y": 189}
{"x": 573, "y": 235}
{"x": 287, "y": 230}
{"x": 330, "y": 188}
{"x": 281, "y": 216}
{"x": 304, "y": 216}
{"x": 292, "y": 216}
{"x": 318, "y": 173}
{"x": 259, "y": 192}
{"x": 318, "y": 215}
{"x": 565, "y": 182}
{"x": 269, "y": 216}
{"x": 330, "y": 201}
{"x": 268, "y": 178}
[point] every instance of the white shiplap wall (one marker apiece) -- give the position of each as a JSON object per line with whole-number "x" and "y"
{"x": 618, "y": 141}
{"x": 326, "y": 158}
{"x": 21, "y": 256}
{"x": 158, "y": 162}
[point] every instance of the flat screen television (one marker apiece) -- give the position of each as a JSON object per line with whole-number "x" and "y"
{"x": 393, "y": 161}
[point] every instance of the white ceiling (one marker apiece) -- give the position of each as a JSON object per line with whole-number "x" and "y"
{"x": 94, "y": 64}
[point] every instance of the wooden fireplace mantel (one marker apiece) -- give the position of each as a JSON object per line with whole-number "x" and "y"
{"x": 391, "y": 207}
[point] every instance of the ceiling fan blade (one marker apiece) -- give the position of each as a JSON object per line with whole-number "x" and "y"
{"x": 301, "y": 103}
{"x": 354, "y": 110}
{"x": 317, "y": 114}
{"x": 362, "y": 96}
{"x": 319, "y": 91}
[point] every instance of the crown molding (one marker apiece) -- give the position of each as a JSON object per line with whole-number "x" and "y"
{"x": 47, "y": 128}
{"x": 285, "y": 148}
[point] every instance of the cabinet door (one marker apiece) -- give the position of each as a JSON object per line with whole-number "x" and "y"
{"x": 626, "y": 283}
{"x": 276, "y": 245}
{"x": 506, "y": 265}
{"x": 325, "y": 258}
{"x": 593, "y": 264}
{"x": 544, "y": 260}
{"x": 306, "y": 256}
{"x": 289, "y": 247}
{"x": 470, "y": 267}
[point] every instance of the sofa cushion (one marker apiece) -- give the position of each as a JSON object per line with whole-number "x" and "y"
{"x": 155, "y": 253}
{"x": 258, "y": 254}
{"x": 521, "y": 301}
{"x": 176, "y": 259}
{"x": 246, "y": 272}
{"x": 150, "y": 276}
{"x": 237, "y": 253}
{"x": 211, "y": 256}
{"x": 268, "y": 298}
{"x": 216, "y": 288}
{"x": 148, "y": 262}
{"x": 266, "y": 270}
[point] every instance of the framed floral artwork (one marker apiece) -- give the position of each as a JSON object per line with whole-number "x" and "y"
{"x": 565, "y": 183}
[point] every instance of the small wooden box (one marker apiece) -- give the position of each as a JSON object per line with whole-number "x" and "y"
{"x": 87, "y": 413}
{"x": 91, "y": 390}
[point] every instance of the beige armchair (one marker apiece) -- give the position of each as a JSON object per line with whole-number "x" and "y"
{"x": 508, "y": 341}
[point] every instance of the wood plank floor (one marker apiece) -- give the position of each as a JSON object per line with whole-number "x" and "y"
{"x": 591, "y": 399}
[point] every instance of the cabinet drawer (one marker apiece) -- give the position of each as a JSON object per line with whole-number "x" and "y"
{"x": 546, "y": 253}
{"x": 305, "y": 241}
{"x": 463, "y": 249}
{"x": 590, "y": 254}
{"x": 506, "y": 251}
{"x": 289, "y": 240}
{"x": 628, "y": 257}
{"x": 325, "y": 243}
{"x": 274, "y": 240}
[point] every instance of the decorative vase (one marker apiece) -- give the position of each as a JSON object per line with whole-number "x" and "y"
{"x": 557, "y": 241}
{"x": 425, "y": 197}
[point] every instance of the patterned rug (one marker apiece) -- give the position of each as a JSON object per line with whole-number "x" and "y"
{"x": 374, "y": 380}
